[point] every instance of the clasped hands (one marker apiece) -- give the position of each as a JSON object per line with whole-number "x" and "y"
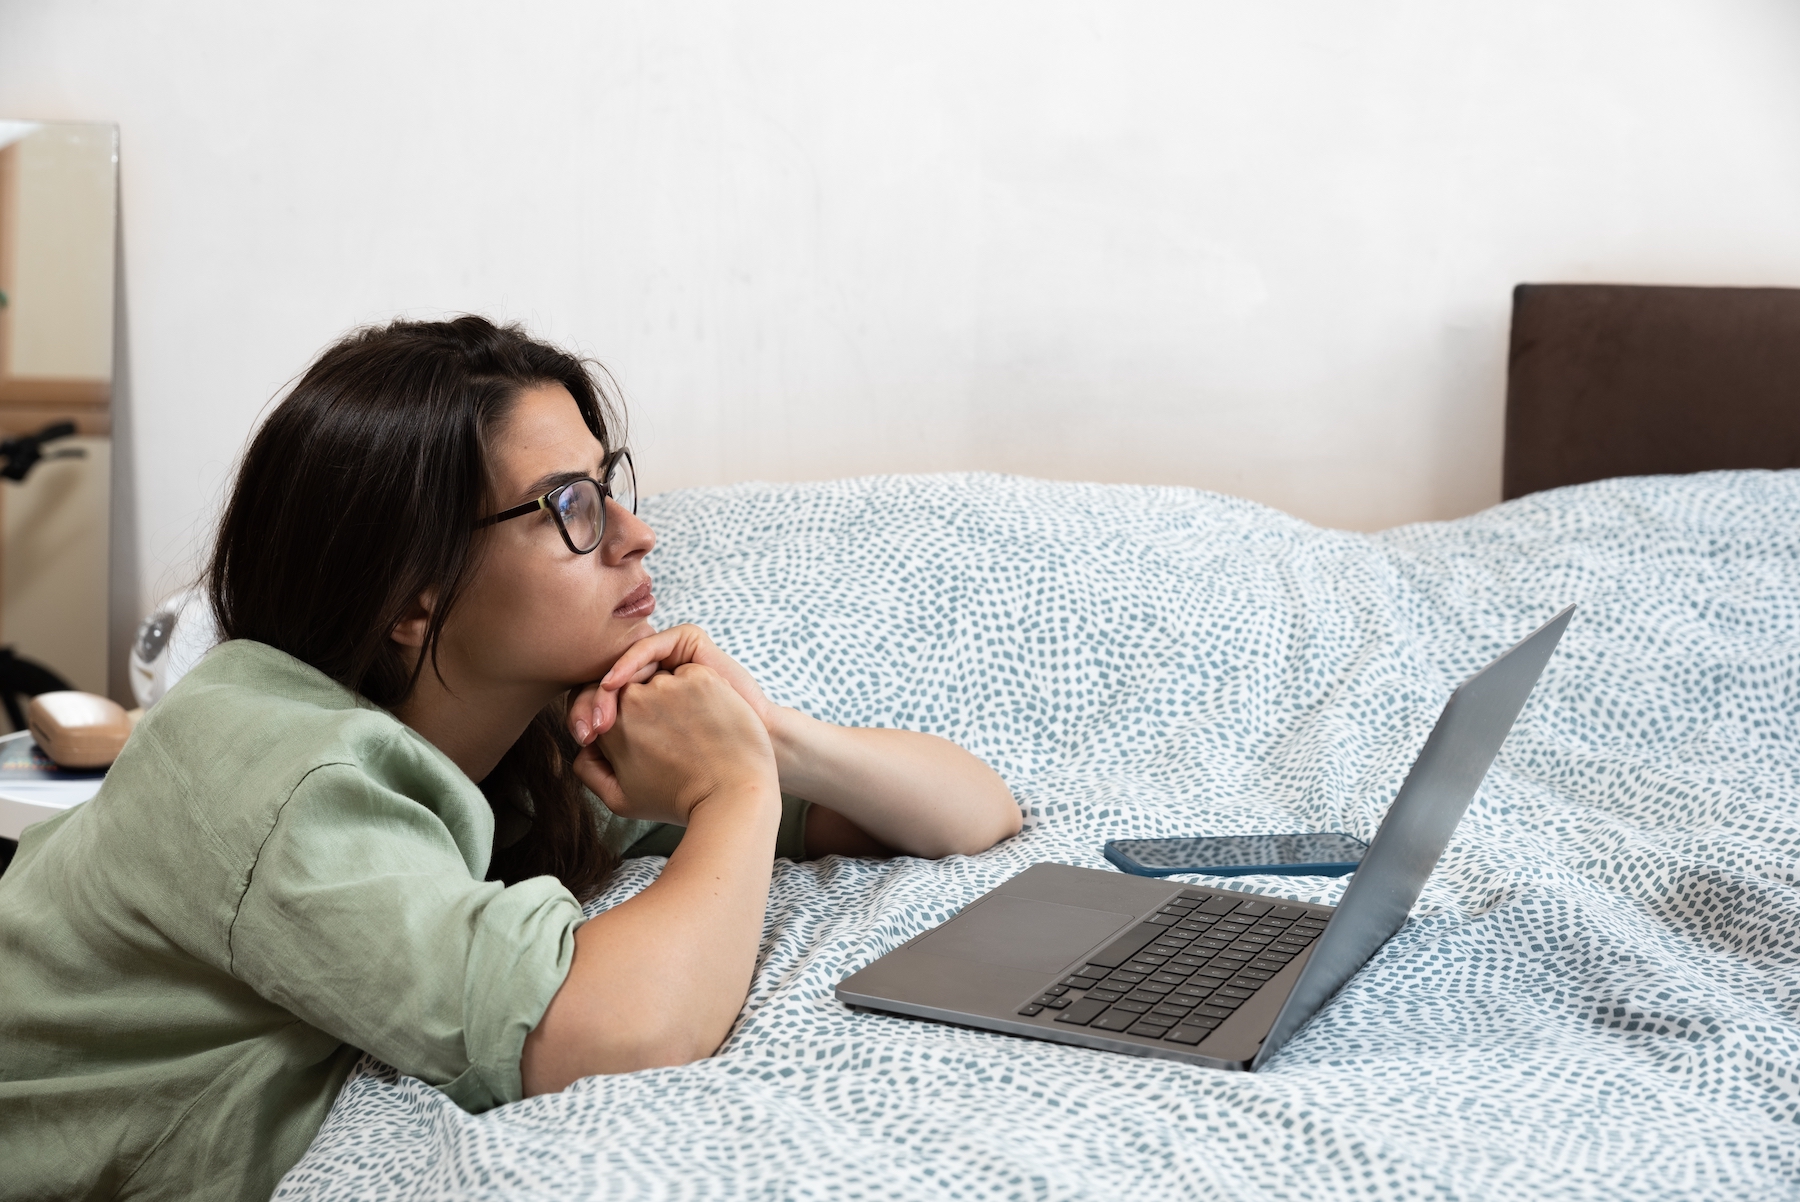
{"x": 674, "y": 723}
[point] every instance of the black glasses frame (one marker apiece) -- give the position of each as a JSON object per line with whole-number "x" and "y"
{"x": 609, "y": 468}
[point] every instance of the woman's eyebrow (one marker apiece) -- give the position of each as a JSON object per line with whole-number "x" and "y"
{"x": 550, "y": 480}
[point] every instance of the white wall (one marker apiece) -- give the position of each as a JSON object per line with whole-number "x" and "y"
{"x": 1264, "y": 248}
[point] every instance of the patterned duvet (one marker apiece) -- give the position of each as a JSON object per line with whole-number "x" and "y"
{"x": 1598, "y": 994}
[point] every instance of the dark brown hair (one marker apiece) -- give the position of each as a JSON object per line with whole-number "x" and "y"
{"x": 358, "y": 494}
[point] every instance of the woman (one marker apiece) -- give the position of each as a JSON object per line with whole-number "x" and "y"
{"x": 364, "y": 821}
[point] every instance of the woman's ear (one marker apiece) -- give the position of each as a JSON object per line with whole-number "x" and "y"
{"x": 410, "y": 630}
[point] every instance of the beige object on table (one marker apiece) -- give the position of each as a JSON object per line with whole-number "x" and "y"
{"x": 78, "y": 730}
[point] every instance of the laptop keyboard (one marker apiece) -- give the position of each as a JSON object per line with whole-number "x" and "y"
{"x": 1182, "y": 971}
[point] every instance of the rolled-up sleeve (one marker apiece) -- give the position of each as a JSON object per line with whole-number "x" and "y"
{"x": 361, "y": 917}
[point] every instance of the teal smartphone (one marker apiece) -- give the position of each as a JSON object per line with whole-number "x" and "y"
{"x": 1312, "y": 853}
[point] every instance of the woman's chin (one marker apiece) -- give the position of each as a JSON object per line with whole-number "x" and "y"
{"x": 640, "y": 630}
{"x": 634, "y": 633}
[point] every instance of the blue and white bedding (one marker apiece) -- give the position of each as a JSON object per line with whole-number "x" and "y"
{"x": 1598, "y": 994}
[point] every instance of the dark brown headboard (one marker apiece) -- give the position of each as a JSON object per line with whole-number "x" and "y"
{"x": 1622, "y": 380}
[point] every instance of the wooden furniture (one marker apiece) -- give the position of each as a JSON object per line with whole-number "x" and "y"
{"x": 1622, "y": 380}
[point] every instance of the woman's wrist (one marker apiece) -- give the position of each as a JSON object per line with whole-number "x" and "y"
{"x": 738, "y": 797}
{"x": 791, "y": 735}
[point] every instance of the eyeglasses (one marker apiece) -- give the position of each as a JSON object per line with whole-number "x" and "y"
{"x": 579, "y": 507}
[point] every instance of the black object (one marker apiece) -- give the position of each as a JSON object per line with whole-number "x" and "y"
{"x": 21, "y": 454}
{"x": 1194, "y": 993}
{"x": 1621, "y": 380}
{"x": 21, "y": 677}
{"x": 1317, "y": 853}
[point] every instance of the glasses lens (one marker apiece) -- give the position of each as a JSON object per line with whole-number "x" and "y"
{"x": 622, "y": 483}
{"x": 579, "y": 511}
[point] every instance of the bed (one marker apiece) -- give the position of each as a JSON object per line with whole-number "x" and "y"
{"x": 1597, "y": 995}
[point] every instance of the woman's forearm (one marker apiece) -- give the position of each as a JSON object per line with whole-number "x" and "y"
{"x": 658, "y": 980}
{"x": 914, "y": 792}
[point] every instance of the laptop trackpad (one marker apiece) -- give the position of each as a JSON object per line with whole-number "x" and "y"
{"x": 1021, "y": 933}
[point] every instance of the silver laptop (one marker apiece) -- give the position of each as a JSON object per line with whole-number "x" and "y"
{"x": 1209, "y": 976}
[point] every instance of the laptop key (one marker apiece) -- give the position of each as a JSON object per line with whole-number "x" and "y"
{"x": 1130, "y": 1007}
{"x": 1242, "y": 995}
{"x": 1209, "y": 1011}
{"x": 1030, "y": 1009}
{"x": 1114, "y": 1020}
{"x": 1141, "y": 995}
{"x": 1218, "y": 905}
{"x": 1170, "y": 978}
{"x": 1127, "y": 978}
{"x": 1147, "y": 1028}
{"x": 1106, "y": 995}
{"x": 1173, "y": 1013}
{"x": 1058, "y": 1003}
{"x": 1083, "y": 1012}
{"x": 1186, "y": 1034}
{"x": 1125, "y": 946}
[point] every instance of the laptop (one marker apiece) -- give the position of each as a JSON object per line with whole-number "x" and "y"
{"x": 1212, "y": 977}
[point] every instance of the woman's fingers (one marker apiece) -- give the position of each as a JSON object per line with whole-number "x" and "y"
{"x": 688, "y": 644}
{"x": 671, "y": 648}
{"x": 606, "y": 702}
{"x": 685, "y": 736}
{"x": 593, "y": 770}
{"x": 595, "y": 707}
{"x": 583, "y": 714}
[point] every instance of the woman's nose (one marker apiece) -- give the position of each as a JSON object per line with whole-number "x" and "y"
{"x": 626, "y": 534}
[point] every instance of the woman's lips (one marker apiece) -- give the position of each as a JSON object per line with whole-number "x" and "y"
{"x": 638, "y": 603}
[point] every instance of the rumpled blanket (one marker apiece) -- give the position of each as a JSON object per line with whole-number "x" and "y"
{"x": 1598, "y": 994}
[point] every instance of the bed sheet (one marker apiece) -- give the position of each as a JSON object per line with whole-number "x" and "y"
{"x": 1598, "y": 994}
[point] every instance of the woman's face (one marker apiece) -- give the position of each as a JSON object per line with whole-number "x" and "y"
{"x": 535, "y": 613}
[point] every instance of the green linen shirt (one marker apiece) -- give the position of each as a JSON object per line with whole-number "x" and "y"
{"x": 275, "y": 876}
